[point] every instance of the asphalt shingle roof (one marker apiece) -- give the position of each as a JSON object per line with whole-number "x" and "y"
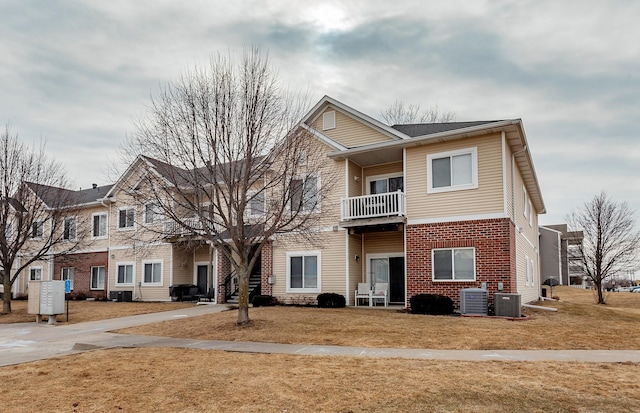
{"x": 422, "y": 129}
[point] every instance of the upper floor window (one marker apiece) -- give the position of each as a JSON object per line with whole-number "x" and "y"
{"x": 99, "y": 229}
{"x": 329, "y": 120}
{"x": 452, "y": 171}
{"x": 305, "y": 194}
{"x": 8, "y": 231}
{"x": 383, "y": 185}
{"x": 37, "y": 229}
{"x": 69, "y": 229}
{"x": 527, "y": 208}
{"x": 453, "y": 264}
{"x": 152, "y": 213}
{"x": 126, "y": 217}
{"x": 256, "y": 204}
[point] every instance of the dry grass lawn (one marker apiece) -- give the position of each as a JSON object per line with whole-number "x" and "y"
{"x": 578, "y": 324}
{"x": 80, "y": 311}
{"x": 181, "y": 380}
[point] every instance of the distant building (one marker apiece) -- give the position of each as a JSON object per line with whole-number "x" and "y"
{"x": 560, "y": 254}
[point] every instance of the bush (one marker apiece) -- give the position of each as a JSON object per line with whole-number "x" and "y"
{"x": 263, "y": 300}
{"x": 331, "y": 300}
{"x": 432, "y": 304}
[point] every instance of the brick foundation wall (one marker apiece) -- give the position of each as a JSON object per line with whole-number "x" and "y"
{"x": 82, "y": 264}
{"x": 494, "y": 242}
{"x": 224, "y": 269}
{"x": 267, "y": 268}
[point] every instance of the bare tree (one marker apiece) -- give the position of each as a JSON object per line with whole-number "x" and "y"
{"x": 400, "y": 113}
{"x": 226, "y": 147}
{"x": 33, "y": 208}
{"x": 611, "y": 242}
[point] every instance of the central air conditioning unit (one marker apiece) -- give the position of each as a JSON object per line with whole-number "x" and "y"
{"x": 507, "y": 305}
{"x": 474, "y": 301}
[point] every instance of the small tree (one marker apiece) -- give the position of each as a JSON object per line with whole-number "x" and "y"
{"x": 611, "y": 241}
{"x": 227, "y": 149}
{"x": 33, "y": 205}
{"x": 400, "y": 113}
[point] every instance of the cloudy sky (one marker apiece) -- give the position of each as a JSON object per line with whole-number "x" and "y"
{"x": 78, "y": 73}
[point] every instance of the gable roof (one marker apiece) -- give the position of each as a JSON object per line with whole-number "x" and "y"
{"x": 421, "y": 129}
{"x": 55, "y": 197}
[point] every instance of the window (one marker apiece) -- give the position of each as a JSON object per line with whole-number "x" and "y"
{"x": 303, "y": 271}
{"x": 69, "y": 229}
{"x": 67, "y": 274}
{"x": 99, "y": 229}
{"x": 452, "y": 171}
{"x": 97, "y": 278}
{"x": 529, "y": 274}
{"x": 453, "y": 264}
{"x": 305, "y": 194}
{"x": 386, "y": 184}
{"x": 152, "y": 273}
{"x": 125, "y": 274}
{"x": 126, "y": 217}
{"x": 8, "y": 232}
{"x": 256, "y": 204}
{"x": 152, "y": 213}
{"x": 35, "y": 273}
{"x": 527, "y": 207}
{"x": 37, "y": 229}
{"x": 329, "y": 120}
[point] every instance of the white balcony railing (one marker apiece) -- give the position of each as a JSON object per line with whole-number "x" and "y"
{"x": 192, "y": 226}
{"x": 372, "y": 206}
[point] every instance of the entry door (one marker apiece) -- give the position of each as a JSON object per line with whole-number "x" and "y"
{"x": 389, "y": 270}
{"x": 202, "y": 275}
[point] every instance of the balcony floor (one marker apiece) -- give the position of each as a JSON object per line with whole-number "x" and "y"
{"x": 366, "y": 222}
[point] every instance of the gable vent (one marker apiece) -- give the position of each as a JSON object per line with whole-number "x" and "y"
{"x": 329, "y": 120}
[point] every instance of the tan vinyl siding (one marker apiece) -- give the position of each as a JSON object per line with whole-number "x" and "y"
{"x": 355, "y": 186}
{"x": 183, "y": 266}
{"x": 138, "y": 257}
{"x": 377, "y": 170}
{"x": 486, "y": 199}
{"x": 332, "y": 252}
{"x": 350, "y": 132}
{"x": 383, "y": 242}
{"x": 356, "y": 267}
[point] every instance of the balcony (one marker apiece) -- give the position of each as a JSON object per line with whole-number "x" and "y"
{"x": 373, "y": 208}
{"x": 192, "y": 226}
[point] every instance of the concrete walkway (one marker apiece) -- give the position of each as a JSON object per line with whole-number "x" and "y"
{"x": 25, "y": 342}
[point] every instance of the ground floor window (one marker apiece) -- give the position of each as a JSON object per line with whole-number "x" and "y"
{"x": 97, "y": 278}
{"x": 35, "y": 273}
{"x": 124, "y": 274}
{"x": 67, "y": 274}
{"x": 303, "y": 272}
{"x": 152, "y": 273}
{"x": 453, "y": 264}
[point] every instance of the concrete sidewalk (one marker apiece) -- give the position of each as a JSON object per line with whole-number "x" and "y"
{"x": 20, "y": 343}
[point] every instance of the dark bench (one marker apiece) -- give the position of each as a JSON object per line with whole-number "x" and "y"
{"x": 183, "y": 292}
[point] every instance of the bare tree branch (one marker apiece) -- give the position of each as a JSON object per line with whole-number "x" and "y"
{"x": 611, "y": 242}
{"x": 400, "y": 113}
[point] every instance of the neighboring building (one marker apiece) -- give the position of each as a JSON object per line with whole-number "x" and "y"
{"x": 426, "y": 208}
{"x": 560, "y": 255}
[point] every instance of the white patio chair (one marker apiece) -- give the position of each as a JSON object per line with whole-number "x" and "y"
{"x": 363, "y": 291}
{"x": 381, "y": 292}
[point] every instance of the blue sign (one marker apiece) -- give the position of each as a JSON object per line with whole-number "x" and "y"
{"x": 67, "y": 286}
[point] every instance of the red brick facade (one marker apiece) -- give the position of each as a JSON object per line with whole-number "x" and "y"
{"x": 494, "y": 243}
{"x": 224, "y": 269}
{"x": 82, "y": 264}
{"x": 267, "y": 268}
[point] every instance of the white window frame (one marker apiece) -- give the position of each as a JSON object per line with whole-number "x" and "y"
{"x": 106, "y": 225}
{"x": 474, "y": 170}
{"x": 64, "y": 276}
{"x": 329, "y": 120}
{"x": 453, "y": 269}
{"x": 129, "y": 227}
{"x": 157, "y": 216}
{"x": 318, "y": 206}
{"x": 104, "y": 273}
{"x": 526, "y": 270}
{"x": 40, "y": 224}
{"x": 32, "y": 269}
{"x": 75, "y": 224}
{"x": 382, "y": 177}
{"x": 152, "y": 263}
{"x": 8, "y": 230}
{"x": 252, "y": 197}
{"x": 133, "y": 274}
{"x": 303, "y": 254}
{"x": 525, "y": 203}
